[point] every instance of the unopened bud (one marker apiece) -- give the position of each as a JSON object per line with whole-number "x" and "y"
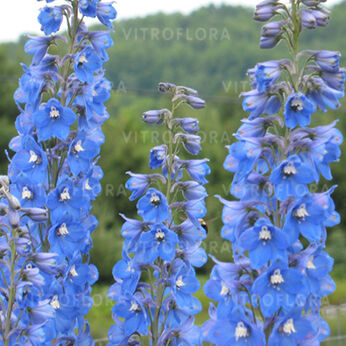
{"x": 3, "y": 209}
{"x": 13, "y": 218}
{"x": 4, "y": 181}
{"x": 36, "y": 214}
{"x": 13, "y": 202}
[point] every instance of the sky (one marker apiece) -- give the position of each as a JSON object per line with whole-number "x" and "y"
{"x": 20, "y": 16}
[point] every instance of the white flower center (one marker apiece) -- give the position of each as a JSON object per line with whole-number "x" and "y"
{"x": 78, "y": 147}
{"x": 180, "y": 283}
{"x": 289, "y": 169}
{"x": 297, "y": 104}
{"x": 265, "y": 234}
{"x": 160, "y": 236}
{"x": 301, "y": 212}
{"x": 62, "y": 230}
{"x": 33, "y": 157}
{"x": 65, "y": 195}
{"x": 73, "y": 271}
{"x": 134, "y": 307}
{"x": 276, "y": 278}
{"x": 82, "y": 59}
{"x": 155, "y": 199}
{"x": 241, "y": 331}
{"x": 55, "y": 303}
{"x": 87, "y": 186}
{"x": 26, "y": 193}
{"x": 310, "y": 264}
{"x": 224, "y": 289}
{"x": 288, "y": 327}
{"x": 54, "y": 113}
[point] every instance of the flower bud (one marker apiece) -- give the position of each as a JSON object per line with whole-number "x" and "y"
{"x": 13, "y": 218}
{"x": 193, "y": 101}
{"x": 164, "y": 87}
{"x": 13, "y": 202}
{"x": 312, "y": 2}
{"x": 3, "y": 209}
{"x": 36, "y": 214}
{"x": 265, "y": 10}
{"x": 4, "y": 181}
{"x": 155, "y": 116}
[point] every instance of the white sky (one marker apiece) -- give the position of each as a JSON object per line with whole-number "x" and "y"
{"x": 20, "y": 16}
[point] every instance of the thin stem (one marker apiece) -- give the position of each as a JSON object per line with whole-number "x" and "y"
{"x": 12, "y": 292}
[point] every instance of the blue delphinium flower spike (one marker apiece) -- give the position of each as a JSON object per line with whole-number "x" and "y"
{"x": 278, "y": 224}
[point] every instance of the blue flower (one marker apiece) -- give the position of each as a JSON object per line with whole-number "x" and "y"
{"x": 159, "y": 241}
{"x": 132, "y": 310}
{"x": 53, "y": 120}
{"x": 30, "y": 195}
{"x": 192, "y": 190}
{"x": 132, "y": 230}
{"x": 335, "y": 80}
{"x": 291, "y": 329}
{"x": 197, "y": 169}
{"x": 82, "y": 151}
{"x": 265, "y": 242}
{"x": 176, "y": 316}
{"x": 327, "y": 60}
{"x": 86, "y": 62}
{"x": 243, "y": 156}
{"x": 153, "y": 206}
{"x": 189, "y": 234}
{"x": 298, "y": 110}
{"x": 106, "y": 13}
{"x": 50, "y": 19}
{"x": 31, "y": 159}
{"x": 260, "y": 103}
{"x": 322, "y": 95}
{"x": 237, "y": 329}
{"x": 38, "y": 46}
{"x": 306, "y": 217}
{"x": 183, "y": 283}
{"x": 268, "y": 73}
{"x": 101, "y": 41}
{"x": 88, "y": 7}
{"x": 157, "y": 156}
{"x": 316, "y": 264}
{"x": 184, "y": 334}
{"x": 66, "y": 237}
{"x": 66, "y": 201}
{"x": 128, "y": 271}
{"x": 138, "y": 183}
{"x": 291, "y": 177}
{"x": 279, "y": 287}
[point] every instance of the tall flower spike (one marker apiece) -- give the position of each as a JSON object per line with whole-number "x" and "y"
{"x": 54, "y": 176}
{"x": 272, "y": 294}
{"x": 164, "y": 245}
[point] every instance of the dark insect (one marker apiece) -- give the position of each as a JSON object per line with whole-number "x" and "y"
{"x": 203, "y": 224}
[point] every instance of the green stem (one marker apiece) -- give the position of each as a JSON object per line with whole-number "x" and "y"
{"x": 12, "y": 292}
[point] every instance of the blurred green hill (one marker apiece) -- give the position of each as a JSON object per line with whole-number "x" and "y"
{"x": 209, "y": 50}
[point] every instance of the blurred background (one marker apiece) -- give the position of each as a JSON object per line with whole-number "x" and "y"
{"x": 206, "y": 47}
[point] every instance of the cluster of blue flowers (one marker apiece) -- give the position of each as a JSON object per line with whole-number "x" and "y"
{"x": 271, "y": 294}
{"x": 54, "y": 177}
{"x": 155, "y": 281}
{"x": 23, "y": 273}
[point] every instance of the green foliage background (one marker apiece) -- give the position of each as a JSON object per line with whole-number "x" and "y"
{"x": 209, "y": 50}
